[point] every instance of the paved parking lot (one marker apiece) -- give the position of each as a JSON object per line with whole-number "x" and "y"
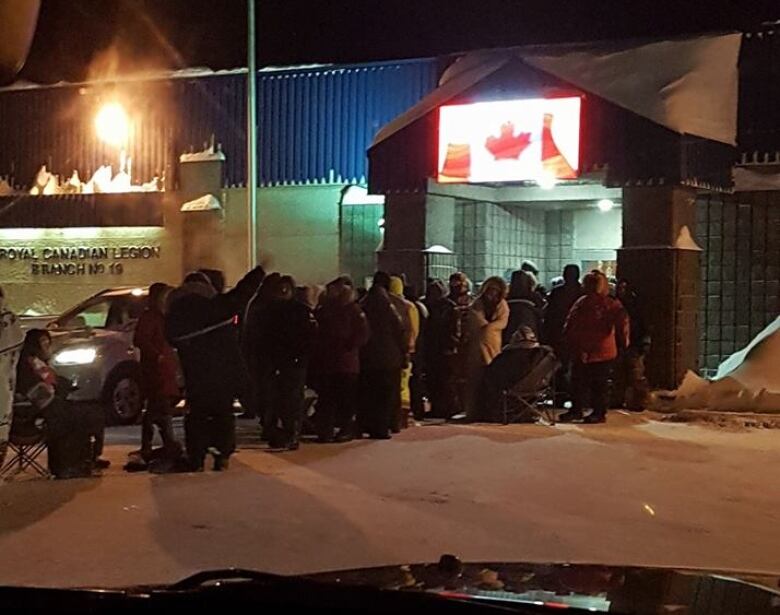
{"x": 633, "y": 491}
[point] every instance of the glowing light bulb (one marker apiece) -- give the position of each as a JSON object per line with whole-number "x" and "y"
{"x": 112, "y": 124}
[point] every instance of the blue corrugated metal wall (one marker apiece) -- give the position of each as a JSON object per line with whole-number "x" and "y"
{"x": 314, "y": 124}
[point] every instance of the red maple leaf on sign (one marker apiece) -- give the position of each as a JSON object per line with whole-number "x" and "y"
{"x": 508, "y": 145}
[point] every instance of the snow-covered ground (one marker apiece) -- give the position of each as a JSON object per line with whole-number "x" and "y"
{"x": 631, "y": 491}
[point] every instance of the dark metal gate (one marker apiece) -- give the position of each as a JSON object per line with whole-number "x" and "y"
{"x": 360, "y": 237}
{"x": 740, "y": 236}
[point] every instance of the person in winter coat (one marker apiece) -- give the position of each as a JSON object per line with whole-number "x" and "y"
{"x": 488, "y": 318}
{"x": 381, "y": 360}
{"x": 441, "y": 351}
{"x": 11, "y": 341}
{"x": 630, "y": 388}
{"x": 252, "y": 402}
{"x": 530, "y": 267}
{"x": 284, "y": 335}
{"x": 596, "y": 329}
{"x": 559, "y": 302}
{"x": 410, "y": 318}
{"x": 67, "y": 428}
{"x": 460, "y": 289}
{"x": 159, "y": 381}
{"x": 201, "y": 325}
{"x": 525, "y": 305}
{"x": 343, "y": 331}
{"x": 515, "y": 362}
{"x": 417, "y": 377}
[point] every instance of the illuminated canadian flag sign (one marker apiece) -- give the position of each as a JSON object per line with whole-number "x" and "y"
{"x": 534, "y": 139}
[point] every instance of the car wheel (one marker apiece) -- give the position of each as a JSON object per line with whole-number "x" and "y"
{"x": 123, "y": 398}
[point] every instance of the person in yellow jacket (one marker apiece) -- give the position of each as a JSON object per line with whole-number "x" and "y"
{"x": 410, "y": 319}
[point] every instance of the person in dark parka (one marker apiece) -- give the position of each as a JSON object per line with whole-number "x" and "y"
{"x": 525, "y": 305}
{"x": 67, "y": 424}
{"x": 381, "y": 360}
{"x": 441, "y": 351}
{"x": 201, "y": 325}
{"x": 159, "y": 379}
{"x": 517, "y": 359}
{"x": 343, "y": 330}
{"x": 559, "y": 302}
{"x": 283, "y": 336}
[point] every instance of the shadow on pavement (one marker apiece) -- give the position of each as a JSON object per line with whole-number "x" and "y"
{"x": 26, "y": 501}
{"x": 253, "y": 519}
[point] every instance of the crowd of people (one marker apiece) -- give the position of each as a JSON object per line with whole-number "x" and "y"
{"x": 375, "y": 358}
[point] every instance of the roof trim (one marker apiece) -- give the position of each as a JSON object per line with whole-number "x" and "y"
{"x": 690, "y": 68}
{"x": 197, "y": 72}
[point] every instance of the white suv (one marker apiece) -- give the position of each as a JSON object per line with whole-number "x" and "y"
{"x": 93, "y": 348}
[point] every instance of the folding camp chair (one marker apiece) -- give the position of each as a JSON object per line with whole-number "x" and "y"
{"x": 526, "y": 399}
{"x": 26, "y": 441}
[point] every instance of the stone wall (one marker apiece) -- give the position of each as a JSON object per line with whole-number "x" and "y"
{"x": 559, "y": 251}
{"x": 492, "y": 239}
{"x": 298, "y": 233}
{"x": 31, "y": 291}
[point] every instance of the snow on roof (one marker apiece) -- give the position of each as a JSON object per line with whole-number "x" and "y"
{"x": 153, "y": 75}
{"x": 207, "y": 202}
{"x": 185, "y": 73}
{"x": 688, "y": 85}
{"x": 685, "y": 240}
{"x": 205, "y": 155}
{"x": 438, "y": 249}
{"x": 476, "y": 67}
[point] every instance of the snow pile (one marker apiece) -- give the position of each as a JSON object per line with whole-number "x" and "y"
{"x": 205, "y": 155}
{"x": 685, "y": 241}
{"x": 102, "y": 181}
{"x": 5, "y": 188}
{"x": 748, "y": 381}
{"x": 208, "y": 202}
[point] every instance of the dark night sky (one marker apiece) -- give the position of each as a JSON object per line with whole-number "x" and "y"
{"x": 177, "y": 33}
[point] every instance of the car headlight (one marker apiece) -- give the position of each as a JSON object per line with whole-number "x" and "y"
{"x": 75, "y": 356}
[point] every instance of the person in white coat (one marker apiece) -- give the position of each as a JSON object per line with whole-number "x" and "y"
{"x": 11, "y": 341}
{"x": 488, "y": 317}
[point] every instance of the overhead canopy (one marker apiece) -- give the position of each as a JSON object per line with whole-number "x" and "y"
{"x": 686, "y": 85}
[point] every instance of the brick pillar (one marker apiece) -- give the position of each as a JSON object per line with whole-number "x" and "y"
{"x": 404, "y": 242}
{"x": 203, "y": 231}
{"x": 663, "y": 266}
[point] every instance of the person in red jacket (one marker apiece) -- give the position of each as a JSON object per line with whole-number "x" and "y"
{"x": 595, "y": 330}
{"x": 158, "y": 373}
{"x": 343, "y": 330}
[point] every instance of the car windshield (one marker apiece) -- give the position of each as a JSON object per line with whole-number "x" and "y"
{"x": 112, "y": 312}
{"x": 297, "y": 286}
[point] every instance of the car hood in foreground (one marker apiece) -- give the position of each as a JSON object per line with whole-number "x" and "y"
{"x": 447, "y": 586}
{"x": 590, "y": 587}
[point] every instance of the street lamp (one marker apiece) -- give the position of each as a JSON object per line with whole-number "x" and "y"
{"x": 112, "y": 124}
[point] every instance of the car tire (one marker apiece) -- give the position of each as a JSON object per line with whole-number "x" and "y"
{"x": 122, "y": 397}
